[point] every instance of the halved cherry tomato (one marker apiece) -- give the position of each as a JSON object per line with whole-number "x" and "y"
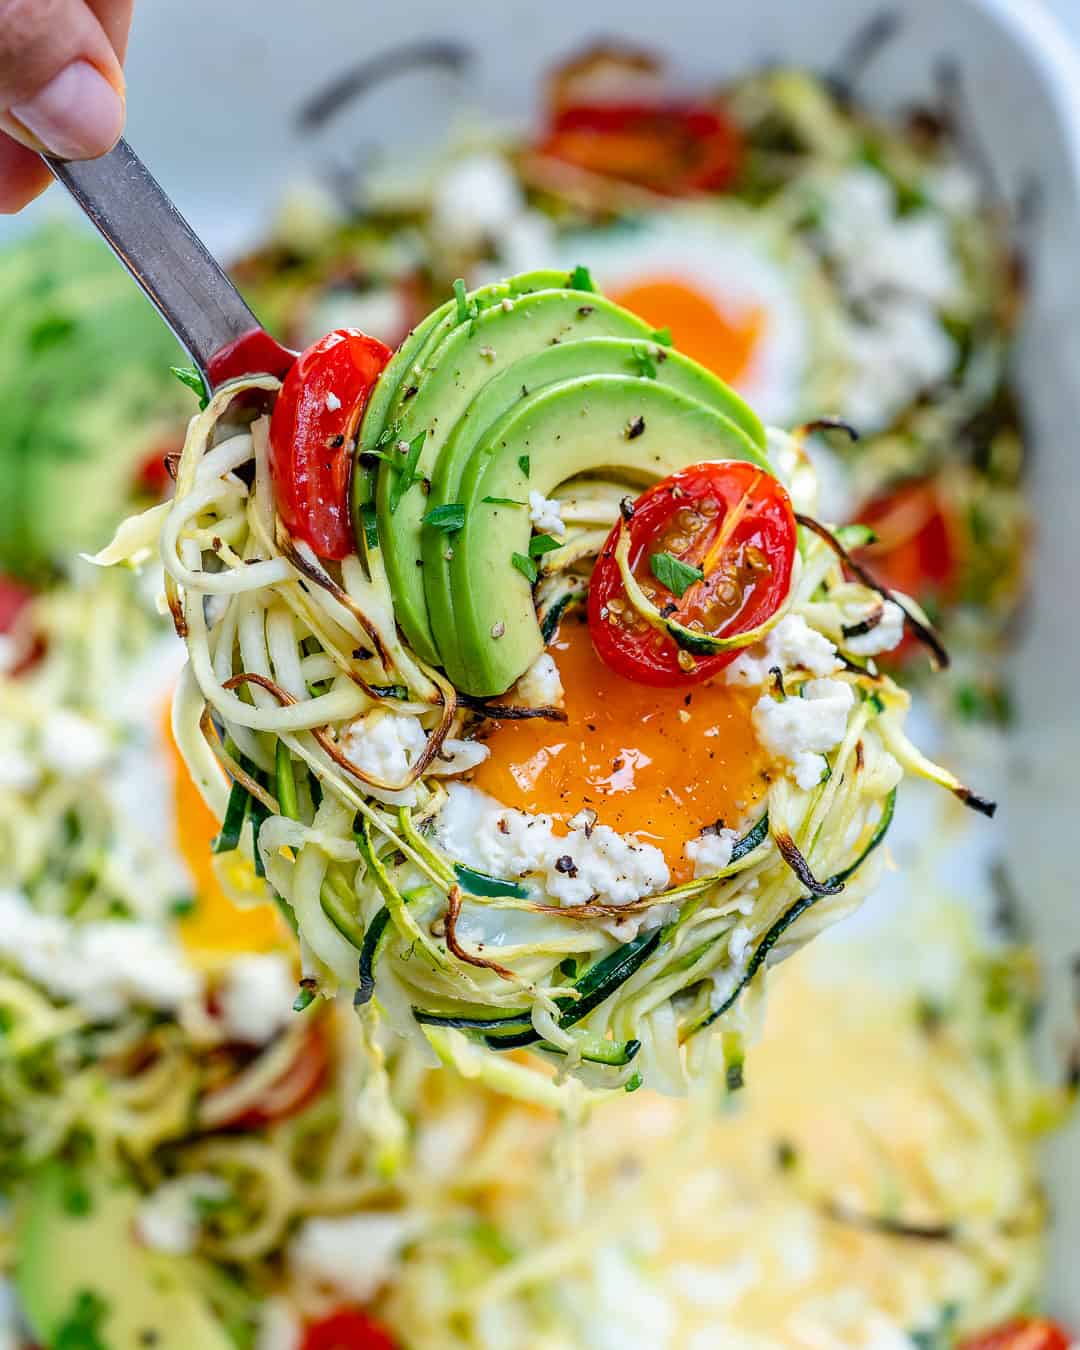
{"x": 293, "y": 1089}
{"x": 311, "y": 436}
{"x": 14, "y": 598}
{"x": 728, "y": 518}
{"x": 347, "y": 1330}
{"x": 1026, "y": 1333}
{"x": 672, "y": 147}
{"x": 914, "y": 552}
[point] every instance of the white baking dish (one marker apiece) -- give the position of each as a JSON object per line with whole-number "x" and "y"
{"x": 214, "y": 89}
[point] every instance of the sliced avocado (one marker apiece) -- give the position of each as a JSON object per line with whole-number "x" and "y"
{"x": 456, "y": 368}
{"x": 569, "y": 360}
{"x": 639, "y": 428}
{"x": 405, "y": 368}
{"x": 82, "y": 1262}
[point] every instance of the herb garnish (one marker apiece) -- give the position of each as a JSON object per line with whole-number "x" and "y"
{"x": 581, "y": 279}
{"x": 81, "y": 1328}
{"x": 370, "y": 523}
{"x": 190, "y": 376}
{"x": 540, "y": 544}
{"x": 466, "y": 308}
{"x": 644, "y": 363}
{"x": 524, "y": 464}
{"x": 406, "y": 474}
{"x": 673, "y": 573}
{"x": 449, "y": 518}
{"x": 662, "y": 336}
{"x": 525, "y": 566}
{"x": 503, "y": 501}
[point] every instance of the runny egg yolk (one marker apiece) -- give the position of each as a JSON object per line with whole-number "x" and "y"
{"x": 216, "y": 924}
{"x": 655, "y": 762}
{"x": 723, "y": 339}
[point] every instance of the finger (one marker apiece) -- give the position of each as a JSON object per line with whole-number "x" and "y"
{"x": 115, "y": 19}
{"x": 22, "y": 176}
{"x": 61, "y": 86}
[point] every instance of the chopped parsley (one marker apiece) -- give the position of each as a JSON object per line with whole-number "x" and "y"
{"x": 644, "y": 363}
{"x": 405, "y": 466}
{"x": 81, "y": 1328}
{"x": 77, "y": 1199}
{"x": 449, "y": 518}
{"x": 182, "y": 906}
{"x": 370, "y": 524}
{"x": 540, "y": 544}
{"x": 671, "y": 572}
{"x": 633, "y": 1082}
{"x": 190, "y": 376}
{"x": 581, "y": 279}
{"x": 524, "y": 464}
{"x": 503, "y": 501}
{"x": 525, "y": 566}
{"x": 662, "y": 336}
{"x": 466, "y": 308}
{"x": 304, "y": 999}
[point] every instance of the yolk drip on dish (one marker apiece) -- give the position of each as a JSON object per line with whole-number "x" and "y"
{"x": 216, "y": 924}
{"x": 658, "y": 763}
{"x": 724, "y": 340}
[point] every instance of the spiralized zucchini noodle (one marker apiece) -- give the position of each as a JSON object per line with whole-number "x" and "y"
{"x": 288, "y": 653}
{"x": 130, "y": 1083}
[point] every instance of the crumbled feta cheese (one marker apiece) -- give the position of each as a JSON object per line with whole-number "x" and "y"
{"x": 280, "y": 1327}
{"x": 546, "y": 514}
{"x": 903, "y": 351}
{"x": 255, "y": 1002}
{"x": 791, "y": 645}
{"x": 881, "y": 251}
{"x": 352, "y": 1254}
{"x": 886, "y": 634}
{"x": 711, "y": 853}
{"x": 168, "y": 1218}
{"x": 800, "y": 729}
{"x": 475, "y": 201}
{"x": 590, "y": 860}
{"x": 103, "y": 966}
{"x": 540, "y": 686}
{"x": 333, "y": 403}
{"x": 72, "y": 744}
{"x": 385, "y": 744}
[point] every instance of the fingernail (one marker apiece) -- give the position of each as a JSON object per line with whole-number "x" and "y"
{"x": 77, "y": 115}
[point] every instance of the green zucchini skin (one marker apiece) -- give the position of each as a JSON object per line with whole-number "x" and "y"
{"x": 513, "y": 1031}
{"x": 795, "y": 911}
{"x": 365, "y": 990}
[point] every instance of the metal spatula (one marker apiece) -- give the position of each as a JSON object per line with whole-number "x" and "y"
{"x": 172, "y": 265}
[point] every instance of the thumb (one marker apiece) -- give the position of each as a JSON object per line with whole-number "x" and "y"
{"x": 61, "y": 86}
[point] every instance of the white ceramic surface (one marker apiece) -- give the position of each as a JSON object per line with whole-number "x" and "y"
{"x": 213, "y": 91}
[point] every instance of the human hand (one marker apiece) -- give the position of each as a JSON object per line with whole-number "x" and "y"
{"x": 61, "y": 87}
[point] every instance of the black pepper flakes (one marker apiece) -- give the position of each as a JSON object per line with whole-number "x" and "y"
{"x": 635, "y": 427}
{"x": 566, "y": 865}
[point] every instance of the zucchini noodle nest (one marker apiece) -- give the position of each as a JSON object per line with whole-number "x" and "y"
{"x": 291, "y": 660}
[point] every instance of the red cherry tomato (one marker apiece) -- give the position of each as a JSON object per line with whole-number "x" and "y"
{"x": 14, "y": 597}
{"x": 672, "y": 147}
{"x": 728, "y": 518}
{"x": 914, "y": 551}
{"x": 1026, "y": 1333}
{"x": 347, "y": 1330}
{"x": 293, "y": 1089}
{"x": 311, "y": 437}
